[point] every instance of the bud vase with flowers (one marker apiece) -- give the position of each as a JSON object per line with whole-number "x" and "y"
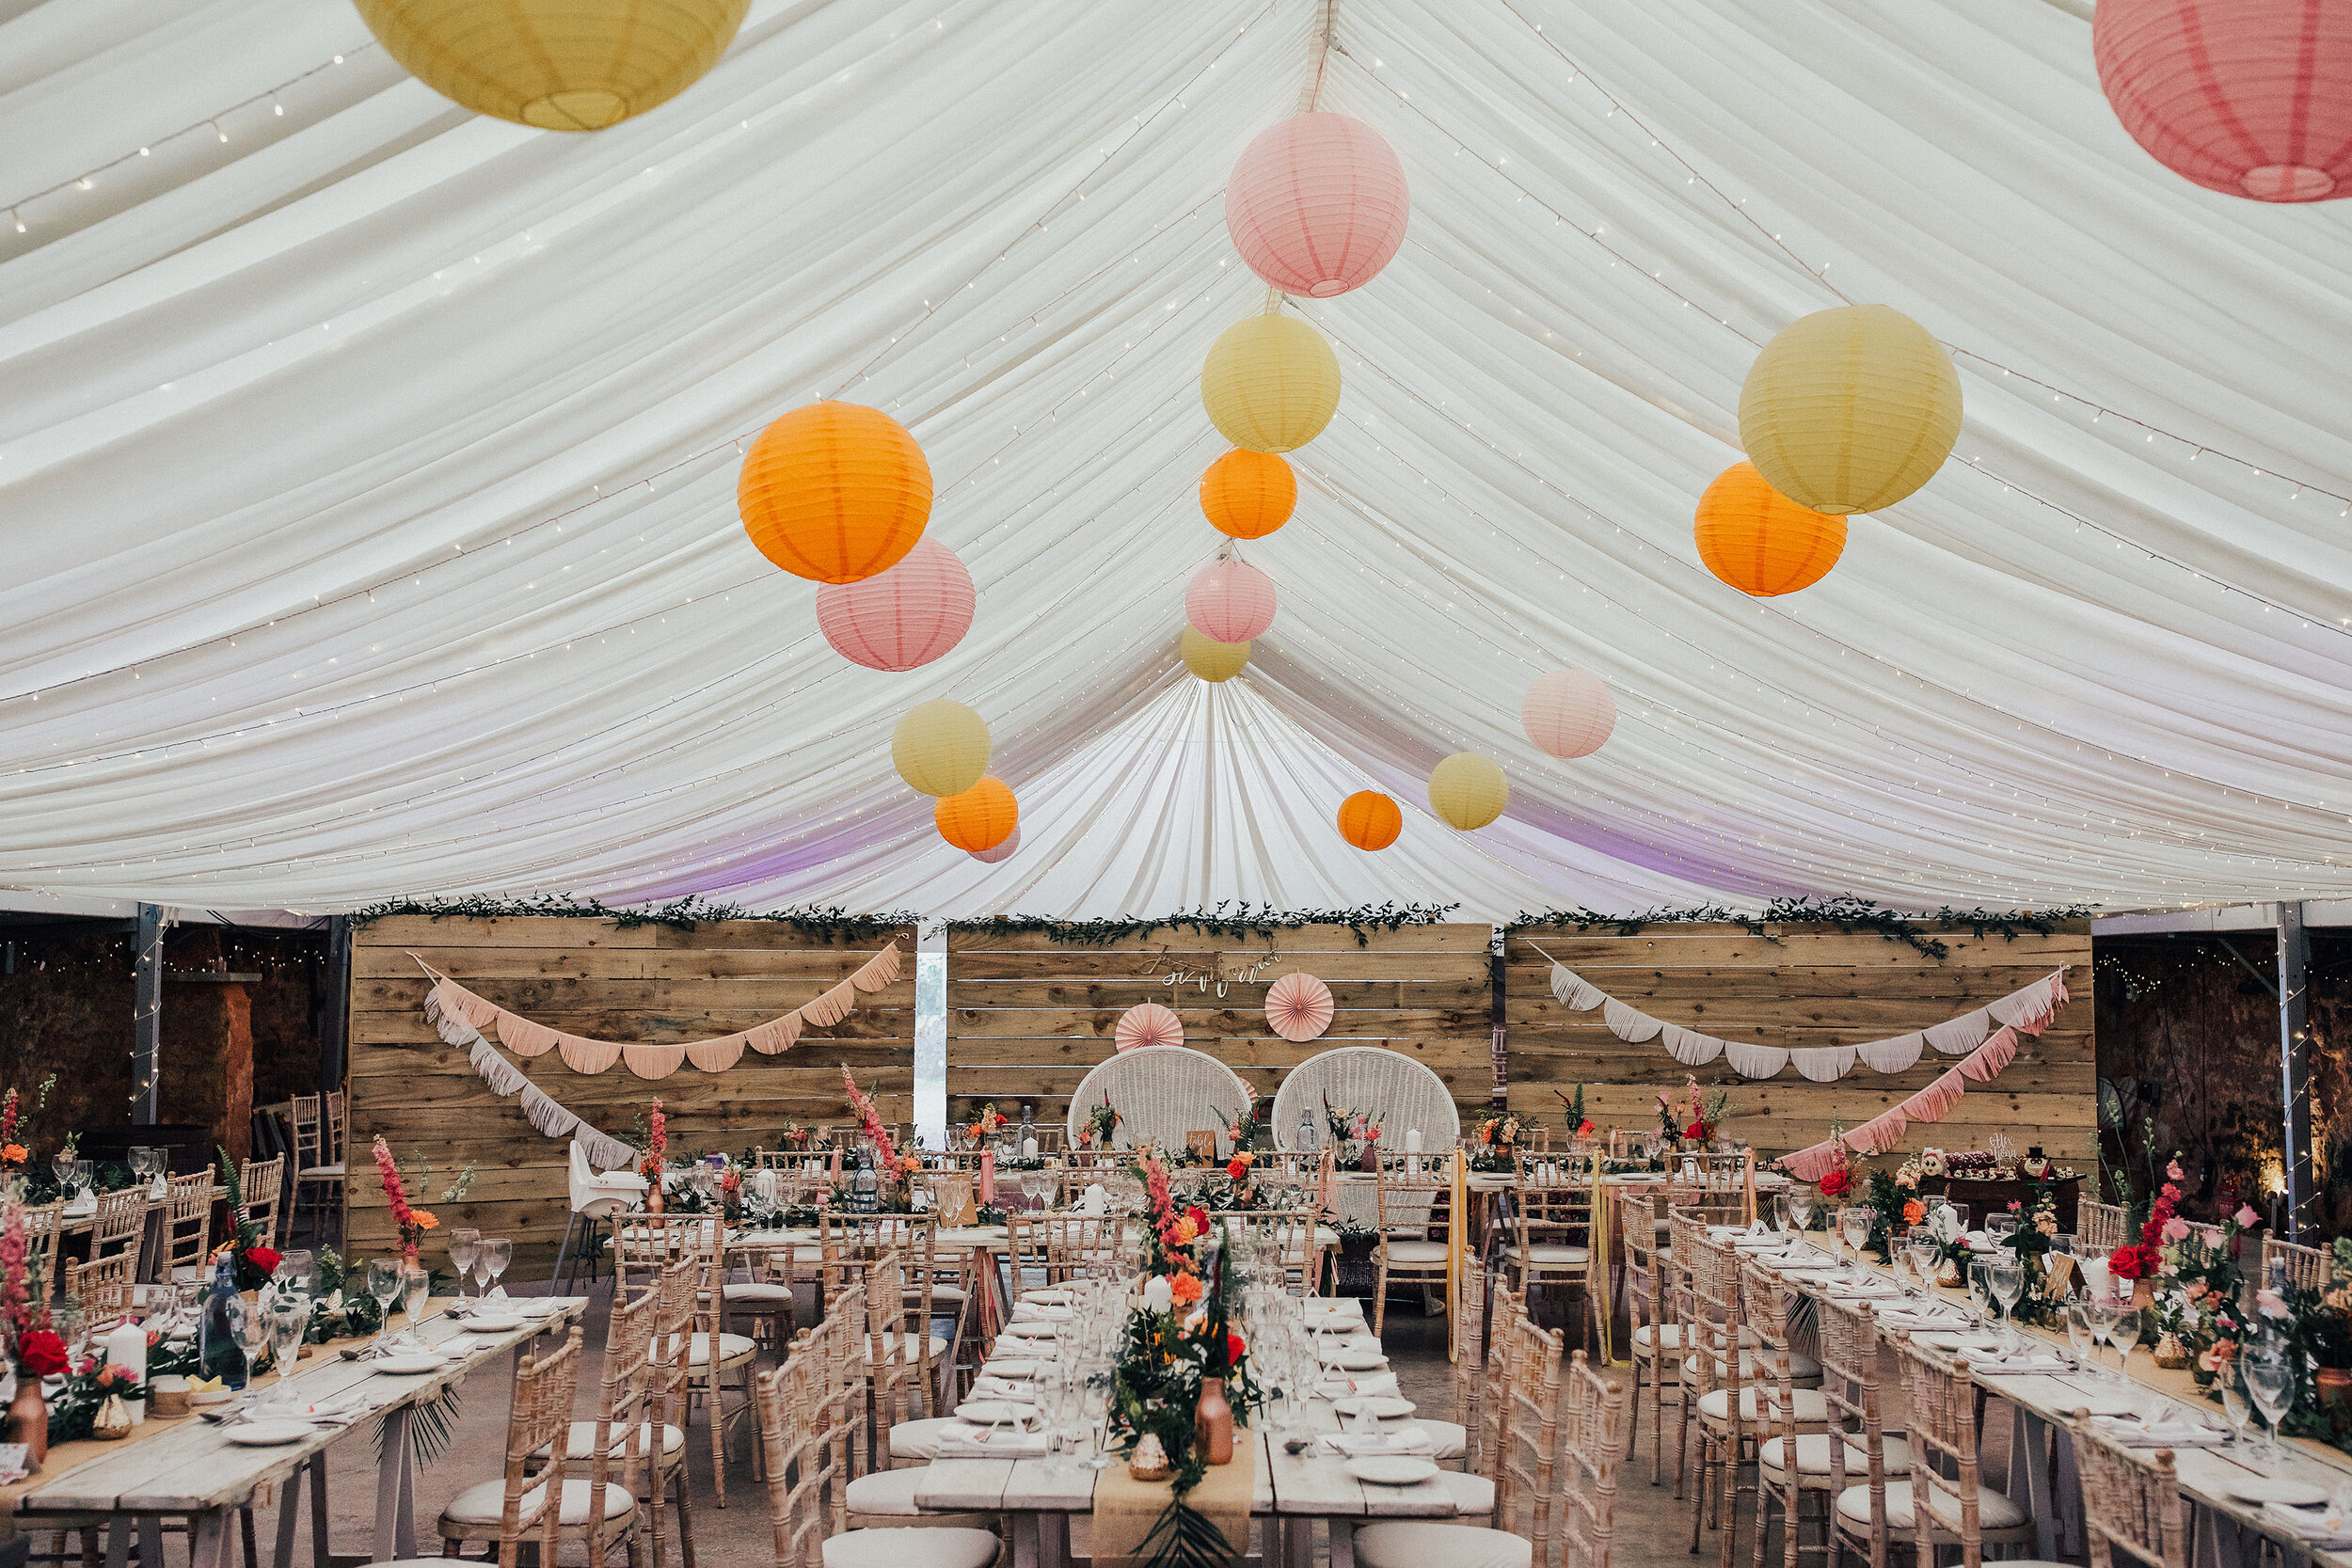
{"x": 35, "y": 1349}
{"x": 657, "y": 1154}
{"x": 409, "y": 1220}
{"x": 893, "y": 1171}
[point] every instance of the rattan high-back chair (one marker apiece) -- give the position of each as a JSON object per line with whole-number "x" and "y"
{"x": 2132, "y": 1502}
{"x": 1941, "y": 1406}
{"x": 1850, "y": 1392}
{"x": 1413, "y": 1230}
{"x": 524, "y": 1503}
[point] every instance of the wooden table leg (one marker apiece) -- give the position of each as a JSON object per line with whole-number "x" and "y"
{"x": 1024, "y": 1541}
{"x": 208, "y": 1541}
{"x": 118, "y": 1530}
{"x": 289, "y": 1515}
{"x": 395, "y": 1489}
{"x": 2029, "y": 1441}
{"x": 151, "y": 1540}
{"x": 1343, "y": 1543}
{"x": 320, "y": 1554}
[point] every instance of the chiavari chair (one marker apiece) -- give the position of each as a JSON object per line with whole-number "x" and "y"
{"x": 677, "y": 1291}
{"x": 855, "y": 1243}
{"x": 524, "y": 1504}
{"x": 102, "y": 1286}
{"x": 119, "y": 1222}
{"x": 1471, "y": 1403}
{"x": 2306, "y": 1266}
{"x": 42, "y": 1223}
{"x": 319, "y": 1169}
{"x": 1941, "y": 1407}
{"x": 1655, "y": 1345}
{"x": 2132, "y": 1502}
{"x": 622, "y": 1445}
{"x": 1555, "y": 1245}
{"x": 263, "y": 1183}
{"x": 1793, "y": 1414}
{"x": 1593, "y": 1439}
{"x": 188, "y": 1227}
{"x": 2099, "y": 1227}
{"x": 1849, "y": 1391}
{"x": 711, "y": 1351}
{"x": 1412, "y": 1249}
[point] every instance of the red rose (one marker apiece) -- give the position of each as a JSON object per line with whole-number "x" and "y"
{"x": 2129, "y": 1262}
{"x": 1836, "y": 1183}
{"x": 1234, "y": 1347}
{"x": 1238, "y": 1168}
{"x": 1200, "y": 1218}
{"x": 1696, "y": 1129}
{"x": 265, "y": 1259}
{"x": 42, "y": 1353}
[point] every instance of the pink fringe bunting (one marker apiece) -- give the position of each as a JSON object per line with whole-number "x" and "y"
{"x": 1811, "y": 1164}
{"x": 1935, "y": 1102}
{"x": 1984, "y": 1063}
{"x": 1879, "y": 1134}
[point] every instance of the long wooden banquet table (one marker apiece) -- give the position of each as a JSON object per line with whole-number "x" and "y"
{"x": 1292, "y": 1491}
{"x": 186, "y": 1469}
{"x": 2213, "y": 1473}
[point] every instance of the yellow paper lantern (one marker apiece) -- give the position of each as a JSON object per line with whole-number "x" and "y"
{"x": 1467, "y": 790}
{"x": 941, "y": 747}
{"x": 1211, "y": 660}
{"x": 1849, "y": 410}
{"x": 561, "y": 65}
{"x": 1270, "y": 384}
{"x": 980, "y": 818}
{"x": 1759, "y": 540}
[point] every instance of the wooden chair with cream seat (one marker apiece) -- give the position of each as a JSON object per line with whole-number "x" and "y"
{"x": 2132, "y": 1502}
{"x": 882, "y": 1497}
{"x": 1726, "y": 1371}
{"x": 42, "y": 1222}
{"x": 807, "y": 1416}
{"x": 1412, "y": 1249}
{"x": 1850, "y": 1386}
{"x": 2306, "y": 1266}
{"x": 624, "y": 1444}
{"x": 1782, "y": 1372}
{"x": 1687, "y": 1230}
{"x": 711, "y": 1354}
{"x": 1654, "y": 1346}
{"x": 543, "y": 1504}
{"x": 2099, "y": 1227}
{"x": 645, "y": 1245}
{"x": 188, "y": 1228}
{"x": 669, "y": 1393}
{"x": 1554, "y": 1245}
{"x": 102, "y": 1286}
{"x": 911, "y": 1242}
{"x": 764, "y": 1305}
{"x": 1471, "y": 1350}
{"x": 1940, "y": 1400}
{"x": 119, "y": 1223}
{"x": 263, "y": 1185}
{"x": 319, "y": 1170}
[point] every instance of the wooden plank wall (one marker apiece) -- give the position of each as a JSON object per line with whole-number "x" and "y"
{"x": 1026, "y": 1017}
{"x": 651, "y": 983}
{"x": 1798, "y": 986}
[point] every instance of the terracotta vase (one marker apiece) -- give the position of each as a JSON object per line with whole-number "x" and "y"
{"x": 1212, "y": 1423}
{"x": 1370, "y": 1160}
{"x": 653, "y": 1195}
{"x": 2333, "y": 1387}
{"x": 28, "y": 1419}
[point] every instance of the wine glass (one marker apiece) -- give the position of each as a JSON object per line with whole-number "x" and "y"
{"x": 383, "y": 1284}
{"x": 1925, "y": 1252}
{"x": 2271, "y": 1382}
{"x": 1854, "y": 1223}
{"x": 253, "y": 1336}
{"x": 2080, "y": 1335}
{"x": 463, "y": 1243}
{"x": 69, "y": 1168}
{"x": 1980, "y": 1292}
{"x": 288, "y": 1325}
{"x": 2125, "y": 1334}
{"x": 491, "y": 1255}
{"x": 2008, "y": 1281}
{"x": 416, "y": 1287}
{"x": 1097, "y": 1411}
{"x": 1999, "y": 1227}
{"x": 2236, "y": 1405}
{"x": 1801, "y": 1207}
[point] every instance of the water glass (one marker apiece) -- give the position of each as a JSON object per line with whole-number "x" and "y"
{"x": 462, "y": 1246}
{"x": 1925, "y": 1252}
{"x": 1980, "y": 1292}
{"x": 2063, "y": 1244}
{"x": 2125, "y": 1334}
{"x": 383, "y": 1284}
{"x": 1855, "y": 1225}
{"x": 288, "y": 1325}
{"x": 491, "y": 1255}
{"x": 1801, "y": 1201}
{"x": 416, "y": 1287}
{"x": 2235, "y": 1405}
{"x": 2079, "y": 1334}
{"x": 2271, "y": 1381}
{"x": 2008, "y": 1281}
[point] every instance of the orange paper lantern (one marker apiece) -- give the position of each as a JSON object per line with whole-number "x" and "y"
{"x": 1759, "y": 541}
{"x": 834, "y": 492}
{"x": 1370, "y": 820}
{"x": 1247, "y": 495}
{"x": 978, "y": 819}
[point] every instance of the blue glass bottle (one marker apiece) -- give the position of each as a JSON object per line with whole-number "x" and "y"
{"x": 224, "y": 1313}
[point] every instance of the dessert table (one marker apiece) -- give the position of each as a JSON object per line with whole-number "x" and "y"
{"x": 186, "y": 1468}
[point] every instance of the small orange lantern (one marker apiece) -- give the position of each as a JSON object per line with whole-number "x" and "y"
{"x": 1370, "y": 820}
{"x": 1247, "y": 495}
{"x": 978, "y": 819}
{"x": 834, "y": 492}
{"x": 1759, "y": 541}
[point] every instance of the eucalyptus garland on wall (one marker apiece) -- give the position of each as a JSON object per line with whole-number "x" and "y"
{"x": 684, "y": 914}
{"x": 1224, "y": 919}
{"x": 1844, "y": 911}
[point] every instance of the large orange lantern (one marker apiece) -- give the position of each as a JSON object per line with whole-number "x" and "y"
{"x": 834, "y": 492}
{"x": 980, "y": 818}
{"x": 1247, "y": 495}
{"x": 1759, "y": 540}
{"x": 1370, "y": 820}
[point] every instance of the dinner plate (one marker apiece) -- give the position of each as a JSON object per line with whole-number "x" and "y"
{"x": 408, "y": 1363}
{"x": 268, "y": 1435}
{"x": 984, "y": 1413}
{"x": 2274, "y": 1489}
{"x": 1046, "y": 1297}
{"x": 1391, "y": 1469}
{"x": 1035, "y": 1328}
{"x": 1383, "y": 1406}
{"x": 1350, "y": 1358}
{"x": 498, "y": 1324}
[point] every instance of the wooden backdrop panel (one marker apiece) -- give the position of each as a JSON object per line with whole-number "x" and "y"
{"x": 1798, "y": 986}
{"x": 1027, "y": 1016}
{"x": 648, "y": 983}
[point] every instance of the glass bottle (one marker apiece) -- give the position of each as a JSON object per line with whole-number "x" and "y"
{"x": 1028, "y": 1128}
{"x": 865, "y": 1184}
{"x": 224, "y": 1310}
{"x": 1306, "y": 1129}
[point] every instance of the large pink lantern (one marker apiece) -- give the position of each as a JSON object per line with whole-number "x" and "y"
{"x": 1002, "y": 851}
{"x": 901, "y": 618}
{"x": 1230, "y": 601}
{"x": 1568, "y": 713}
{"x": 1316, "y": 204}
{"x": 2247, "y": 97}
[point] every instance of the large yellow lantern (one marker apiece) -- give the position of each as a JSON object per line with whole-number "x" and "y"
{"x": 1211, "y": 660}
{"x": 941, "y": 747}
{"x": 561, "y": 65}
{"x": 1270, "y": 384}
{"x": 1467, "y": 790}
{"x": 1849, "y": 410}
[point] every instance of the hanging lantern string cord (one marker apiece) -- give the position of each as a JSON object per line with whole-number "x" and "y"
{"x": 1318, "y": 53}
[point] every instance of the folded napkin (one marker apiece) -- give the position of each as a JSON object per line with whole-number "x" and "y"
{"x": 1845, "y": 1288}
{"x": 1039, "y": 1312}
{"x": 2173, "y": 1432}
{"x": 1897, "y": 1316}
{"x": 2023, "y": 1361}
{"x": 1011, "y": 1369}
{"x": 987, "y": 1387}
{"x": 1052, "y": 1296}
{"x": 971, "y": 1442}
{"x": 1339, "y": 1385}
{"x": 1357, "y": 1445}
{"x": 2313, "y": 1527}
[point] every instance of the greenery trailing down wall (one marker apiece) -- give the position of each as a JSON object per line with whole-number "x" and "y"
{"x": 1225, "y": 919}
{"x": 682, "y": 914}
{"x": 1843, "y": 911}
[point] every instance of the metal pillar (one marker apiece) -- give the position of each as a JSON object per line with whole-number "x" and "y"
{"x": 931, "y": 1033}
{"x": 1499, "y": 1049}
{"x": 147, "y": 1016}
{"x": 2295, "y": 1071}
{"x": 335, "y": 1024}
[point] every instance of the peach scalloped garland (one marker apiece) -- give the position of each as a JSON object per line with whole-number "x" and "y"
{"x": 1299, "y": 1007}
{"x": 1148, "y": 1023}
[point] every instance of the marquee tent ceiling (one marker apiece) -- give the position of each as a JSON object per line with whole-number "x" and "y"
{"x": 367, "y": 477}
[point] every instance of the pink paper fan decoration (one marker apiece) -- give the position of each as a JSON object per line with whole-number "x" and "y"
{"x": 1148, "y": 1024}
{"x": 1317, "y": 204}
{"x": 1230, "y": 601}
{"x": 1299, "y": 1007}
{"x": 901, "y": 618}
{"x": 1002, "y": 851}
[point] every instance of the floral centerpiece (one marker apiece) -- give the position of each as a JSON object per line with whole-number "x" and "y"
{"x": 1581, "y": 1125}
{"x": 2036, "y": 1233}
{"x": 411, "y": 1221}
{"x": 35, "y": 1349}
{"x": 1100, "y": 1123}
{"x": 1355, "y": 1135}
{"x": 1238, "y": 1189}
{"x": 1695, "y": 1114}
{"x": 254, "y": 1258}
{"x": 890, "y": 1168}
{"x": 985, "y": 1126}
{"x": 17, "y": 1123}
{"x": 1497, "y": 1141}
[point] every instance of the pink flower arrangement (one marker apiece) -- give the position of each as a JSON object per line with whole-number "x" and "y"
{"x": 657, "y": 1141}
{"x": 412, "y": 1223}
{"x": 868, "y": 1119}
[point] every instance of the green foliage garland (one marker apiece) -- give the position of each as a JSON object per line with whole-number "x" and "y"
{"x": 1226, "y": 918}
{"x": 1847, "y": 912}
{"x": 682, "y": 914}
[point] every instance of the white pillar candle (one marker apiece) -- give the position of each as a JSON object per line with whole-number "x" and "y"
{"x": 126, "y": 1346}
{"x": 1028, "y": 1148}
{"x": 1412, "y": 1140}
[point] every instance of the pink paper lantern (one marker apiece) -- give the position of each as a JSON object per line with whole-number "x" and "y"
{"x": 1299, "y": 1007}
{"x": 1568, "y": 713}
{"x": 901, "y": 618}
{"x": 2251, "y": 98}
{"x": 1148, "y": 1023}
{"x": 1002, "y": 851}
{"x": 1230, "y": 601}
{"x": 1316, "y": 204}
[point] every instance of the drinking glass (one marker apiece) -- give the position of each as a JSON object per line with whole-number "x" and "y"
{"x": 1999, "y": 1227}
{"x": 72, "y": 1324}
{"x": 299, "y": 1270}
{"x": 1097, "y": 1411}
{"x": 1801, "y": 1207}
{"x": 253, "y": 1336}
{"x": 463, "y": 1243}
{"x": 383, "y": 1284}
{"x": 1980, "y": 1292}
{"x": 1855, "y": 1225}
{"x": 1925, "y": 1252}
{"x": 2271, "y": 1382}
{"x": 1959, "y": 1215}
{"x": 2008, "y": 1280}
{"x": 1780, "y": 1211}
{"x": 2236, "y": 1406}
{"x": 416, "y": 1287}
{"x": 491, "y": 1255}
{"x": 2079, "y": 1334}
{"x": 288, "y": 1327}
{"x": 2125, "y": 1334}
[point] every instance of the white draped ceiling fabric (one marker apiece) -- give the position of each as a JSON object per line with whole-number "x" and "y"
{"x": 367, "y": 467}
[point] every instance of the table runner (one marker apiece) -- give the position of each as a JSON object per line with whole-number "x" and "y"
{"x": 1125, "y": 1509}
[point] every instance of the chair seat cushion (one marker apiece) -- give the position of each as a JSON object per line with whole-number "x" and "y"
{"x": 758, "y": 1293}
{"x": 1552, "y": 1255}
{"x": 1803, "y": 1369}
{"x": 320, "y": 1173}
{"x": 1407, "y": 1252}
{"x": 1451, "y": 1440}
{"x": 906, "y": 1347}
{"x": 905, "y": 1548}
{"x": 581, "y": 1444}
{"x": 484, "y": 1501}
{"x": 1813, "y": 1456}
{"x": 943, "y": 1295}
{"x": 1994, "y": 1509}
{"x": 1807, "y": 1405}
{"x": 1422, "y": 1543}
{"x": 1472, "y": 1495}
{"x": 920, "y": 1439}
{"x": 1670, "y": 1336}
{"x": 732, "y": 1347}
{"x": 887, "y": 1492}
